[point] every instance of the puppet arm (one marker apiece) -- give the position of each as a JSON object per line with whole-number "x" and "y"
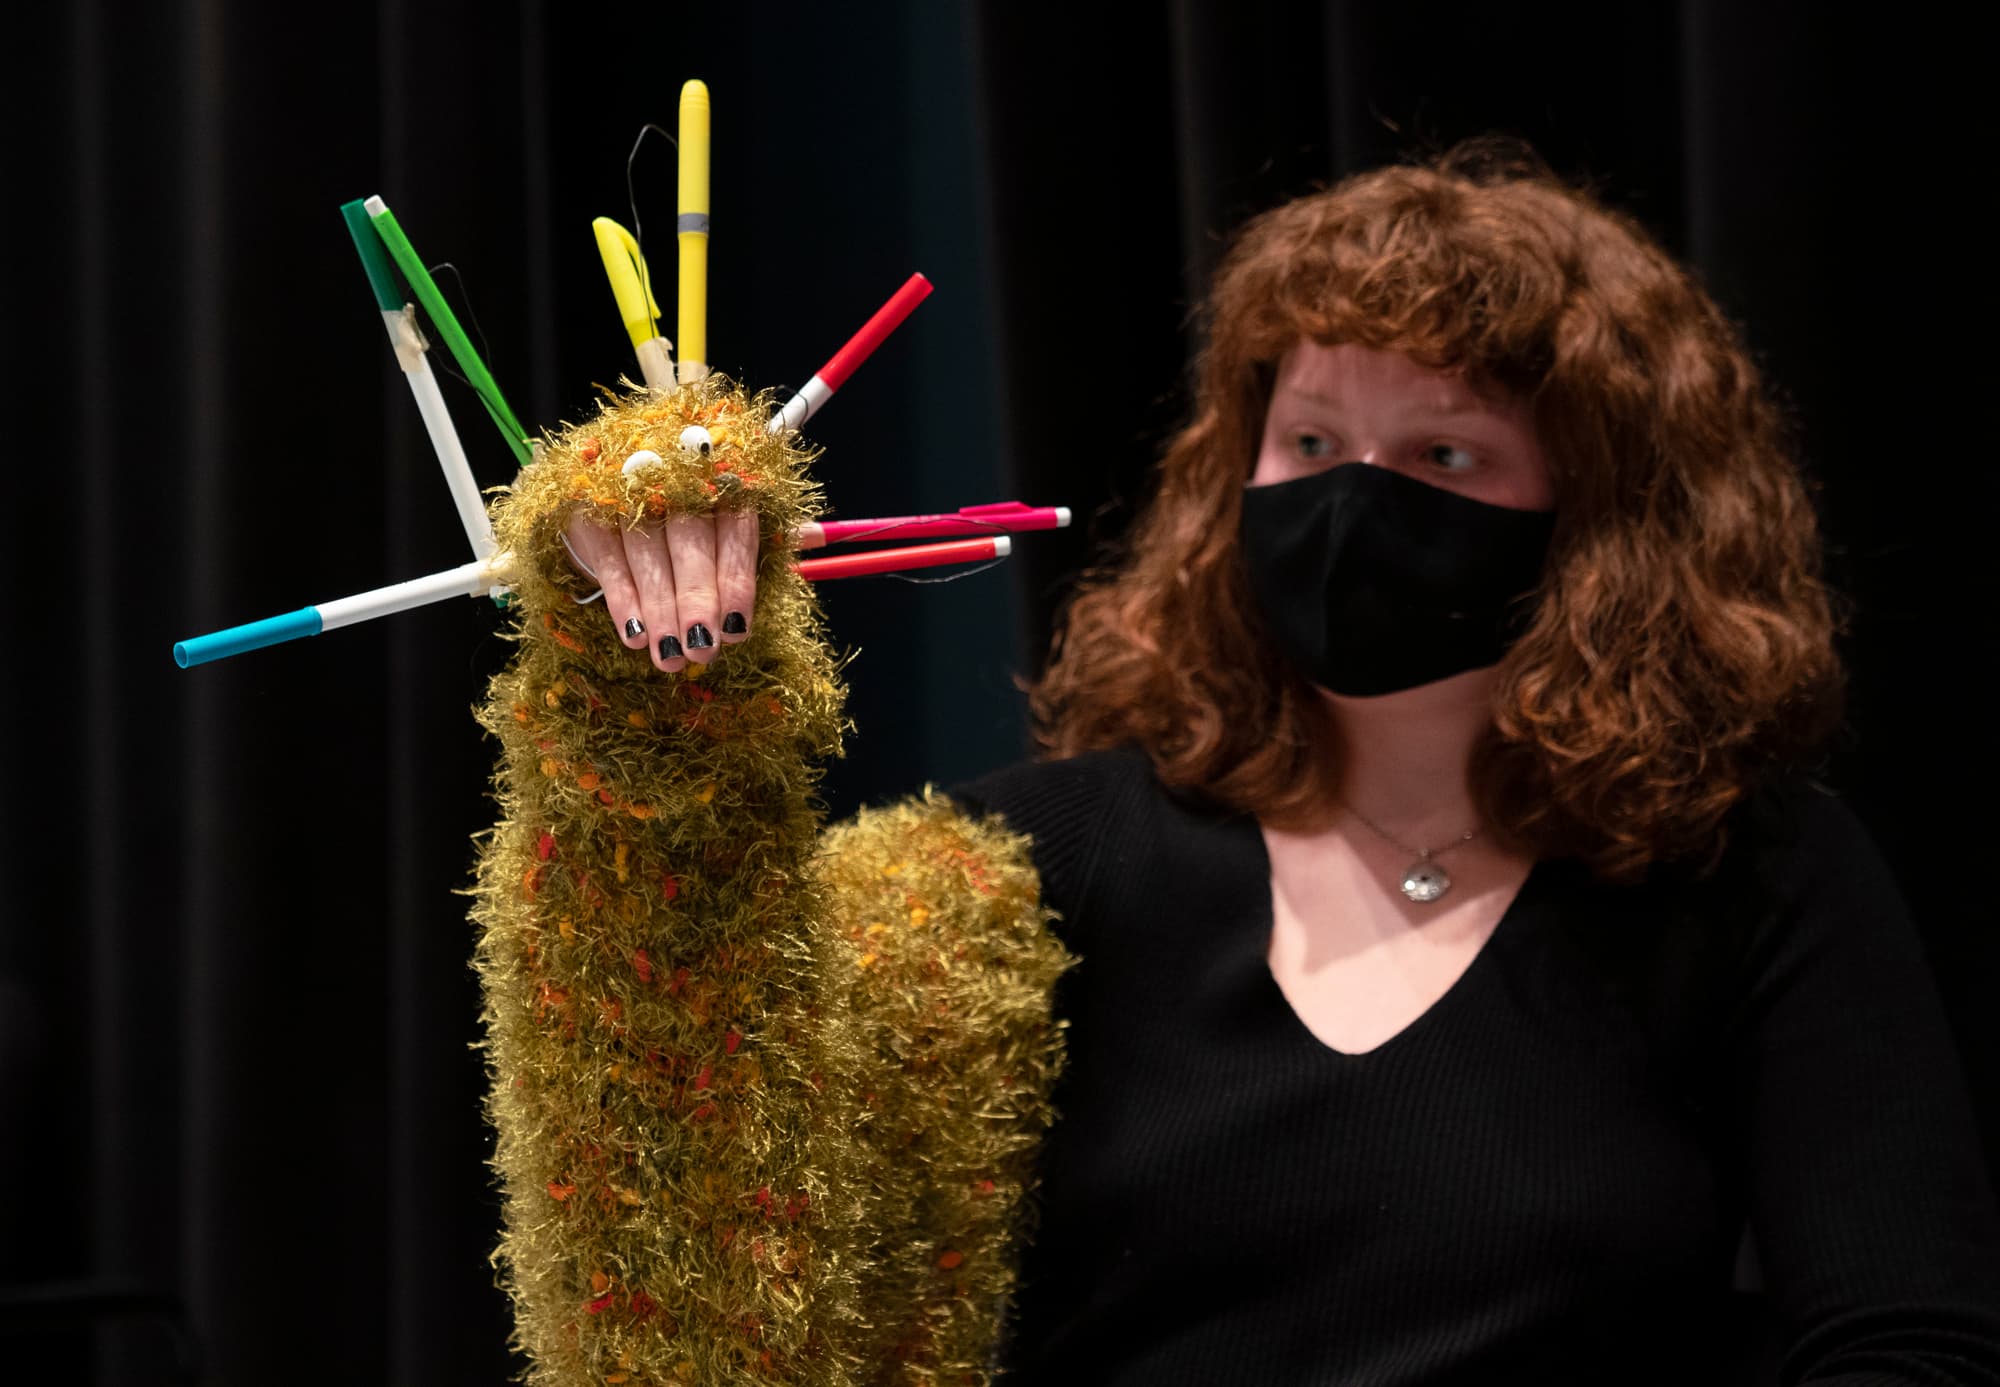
{"x": 944, "y": 963}
{"x": 646, "y": 908}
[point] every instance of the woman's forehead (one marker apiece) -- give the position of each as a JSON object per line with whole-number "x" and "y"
{"x": 1337, "y": 374}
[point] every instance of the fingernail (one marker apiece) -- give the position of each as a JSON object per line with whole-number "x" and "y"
{"x": 699, "y": 637}
{"x": 670, "y": 649}
{"x": 734, "y": 624}
{"x": 634, "y": 628}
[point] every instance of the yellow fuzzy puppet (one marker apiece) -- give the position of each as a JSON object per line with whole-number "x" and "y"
{"x": 767, "y": 1098}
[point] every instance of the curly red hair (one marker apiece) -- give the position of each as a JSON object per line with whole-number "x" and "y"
{"x": 1682, "y": 646}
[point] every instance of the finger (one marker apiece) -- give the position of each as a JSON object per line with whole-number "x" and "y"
{"x": 691, "y": 545}
{"x": 735, "y": 573}
{"x": 646, "y": 552}
{"x": 602, "y": 549}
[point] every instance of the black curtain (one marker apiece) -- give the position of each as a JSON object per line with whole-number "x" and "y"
{"x": 239, "y": 1119}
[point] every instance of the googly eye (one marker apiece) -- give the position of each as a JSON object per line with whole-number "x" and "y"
{"x": 639, "y": 459}
{"x": 695, "y": 439}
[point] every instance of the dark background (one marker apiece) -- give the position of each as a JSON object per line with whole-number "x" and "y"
{"x": 235, "y": 1009}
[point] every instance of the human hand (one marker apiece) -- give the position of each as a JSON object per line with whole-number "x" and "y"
{"x": 680, "y": 590}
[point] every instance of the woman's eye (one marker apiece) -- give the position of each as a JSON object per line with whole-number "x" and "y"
{"x": 1313, "y": 445}
{"x": 1449, "y": 457}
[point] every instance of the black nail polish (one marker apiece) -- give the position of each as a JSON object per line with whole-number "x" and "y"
{"x": 734, "y": 624}
{"x": 670, "y": 649}
{"x": 699, "y": 637}
{"x": 634, "y": 628}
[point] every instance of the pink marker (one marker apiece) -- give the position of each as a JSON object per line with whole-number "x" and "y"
{"x": 860, "y": 346}
{"x": 1010, "y": 516}
{"x": 896, "y": 560}
{"x": 996, "y": 508}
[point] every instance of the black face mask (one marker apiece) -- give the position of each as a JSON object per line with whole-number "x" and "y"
{"x": 1372, "y": 581}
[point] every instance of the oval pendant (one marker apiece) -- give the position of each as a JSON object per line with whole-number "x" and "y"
{"x": 1425, "y": 882}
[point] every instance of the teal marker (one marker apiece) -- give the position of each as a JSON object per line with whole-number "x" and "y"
{"x": 254, "y": 635}
{"x": 480, "y": 578}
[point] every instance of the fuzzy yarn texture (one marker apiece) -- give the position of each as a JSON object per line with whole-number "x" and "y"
{"x": 766, "y": 1098}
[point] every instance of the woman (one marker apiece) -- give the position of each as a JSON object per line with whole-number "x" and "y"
{"x": 1465, "y": 959}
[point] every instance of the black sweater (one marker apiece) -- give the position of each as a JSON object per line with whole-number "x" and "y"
{"x": 1546, "y": 1177}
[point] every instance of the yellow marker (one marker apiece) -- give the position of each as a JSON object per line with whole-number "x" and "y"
{"x": 632, "y": 287}
{"x": 692, "y": 231}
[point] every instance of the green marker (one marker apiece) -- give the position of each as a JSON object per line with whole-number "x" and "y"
{"x": 412, "y": 355}
{"x": 441, "y": 316}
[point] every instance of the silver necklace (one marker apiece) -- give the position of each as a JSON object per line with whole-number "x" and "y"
{"x": 1425, "y": 880}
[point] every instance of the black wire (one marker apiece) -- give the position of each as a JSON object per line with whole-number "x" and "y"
{"x": 485, "y": 347}
{"x": 946, "y": 578}
{"x": 632, "y": 203}
{"x": 880, "y": 531}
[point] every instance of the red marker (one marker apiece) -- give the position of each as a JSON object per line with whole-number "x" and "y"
{"x": 896, "y": 560}
{"x": 834, "y": 374}
{"x": 1008, "y": 516}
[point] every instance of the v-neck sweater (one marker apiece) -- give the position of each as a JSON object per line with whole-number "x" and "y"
{"x": 1546, "y": 1176}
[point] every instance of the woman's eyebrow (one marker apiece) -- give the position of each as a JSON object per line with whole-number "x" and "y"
{"x": 1312, "y": 397}
{"x": 1453, "y": 407}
